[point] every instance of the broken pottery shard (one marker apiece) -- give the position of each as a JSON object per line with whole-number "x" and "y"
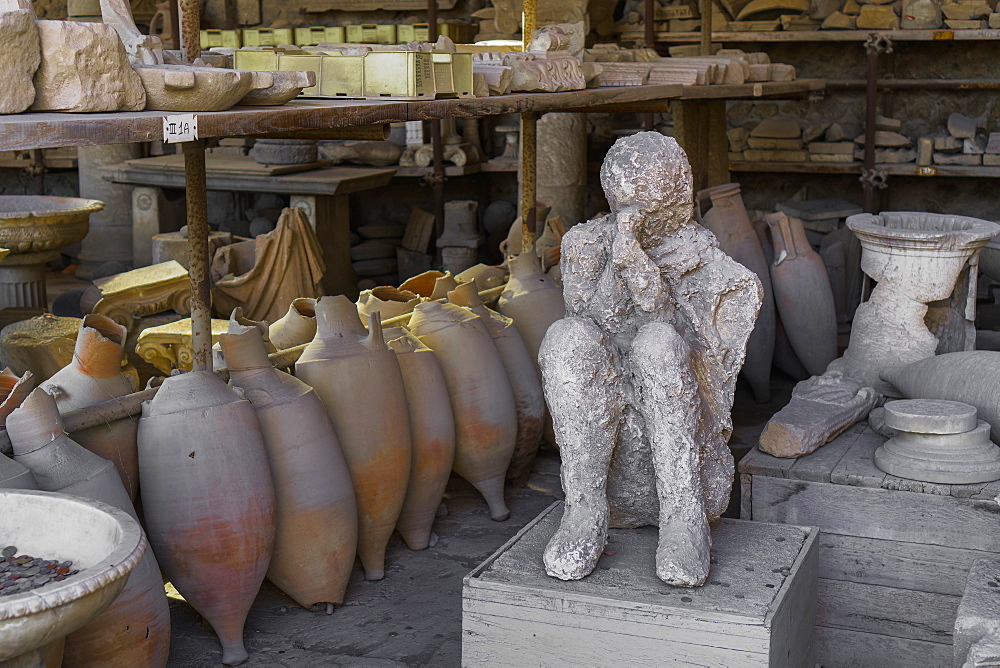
{"x": 19, "y": 59}
{"x": 639, "y": 376}
{"x": 821, "y": 408}
{"x": 84, "y": 68}
{"x": 962, "y": 127}
{"x": 839, "y": 21}
{"x": 878, "y": 17}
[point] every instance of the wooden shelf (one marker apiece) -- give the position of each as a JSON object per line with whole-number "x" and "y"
{"x": 893, "y": 169}
{"x": 44, "y": 130}
{"x": 818, "y": 36}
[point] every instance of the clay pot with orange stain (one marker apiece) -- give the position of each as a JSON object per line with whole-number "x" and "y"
{"x": 388, "y": 301}
{"x": 95, "y": 375}
{"x": 135, "y": 629}
{"x": 359, "y": 381}
{"x": 316, "y": 514}
{"x": 482, "y": 401}
{"x": 422, "y": 284}
{"x": 13, "y": 391}
{"x": 296, "y": 327}
{"x": 533, "y": 300}
{"x": 208, "y": 499}
{"x": 529, "y": 402}
{"x": 432, "y": 431}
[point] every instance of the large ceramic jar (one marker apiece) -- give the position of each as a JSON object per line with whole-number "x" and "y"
{"x": 360, "y": 383}
{"x": 721, "y": 210}
{"x": 529, "y": 402}
{"x": 316, "y": 515}
{"x": 802, "y": 294}
{"x": 95, "y": 375}
{"x": 135, "y": 629}
{"x": 208, "y": 499}
{"x": 533, "y": 300}
{"x": 387, "y": 301}
{"x": 296, "y": 327}
{"x": 432, "y": 430}
{"x": 481, "y": 398}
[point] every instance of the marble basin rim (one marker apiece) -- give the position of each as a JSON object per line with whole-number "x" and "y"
{"x": 915, "y": 231}
{"x": 104, "y": 543}
{"x": 33, "y": 223}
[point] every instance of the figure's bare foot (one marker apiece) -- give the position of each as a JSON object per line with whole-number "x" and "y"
{"x": 682, "y": 556}
{"x": 574, "y": 549}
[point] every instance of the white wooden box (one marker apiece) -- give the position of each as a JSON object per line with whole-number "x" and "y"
{"x": 893, "y": 553}
{"x": 756, "y": 609}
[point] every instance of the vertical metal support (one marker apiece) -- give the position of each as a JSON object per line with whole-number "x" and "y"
{"x": 529, "y": 22}
{"x": 870, "y": 180}
{"x": 705, "y": 7}
{"x": 649, "y": 12}
{"x": 38, "y": 169}
{"x": 432, "y": 21}
{"x": 529, "y": 139}
{"x": 175, "y": 26}
{"x": 437, "y": 156}
{"x": 232, "y": 15}
{"x": 197, "y": 225}
{"x": 190, "y": 28}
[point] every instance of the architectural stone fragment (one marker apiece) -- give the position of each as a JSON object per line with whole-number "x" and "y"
{"x": 19, "y": 59}
{"x": 141, "y": 292}
{"x": 962, "y": 127}
{"x": 639, "y": 376}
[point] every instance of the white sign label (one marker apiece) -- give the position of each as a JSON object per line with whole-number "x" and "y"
{"x": 180, "y": 128}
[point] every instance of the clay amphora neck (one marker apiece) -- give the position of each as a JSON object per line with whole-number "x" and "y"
{"x": 524, "y": 266}
{"x": 431, "y": 317}
{"x": 13, "y": 390}
{"x": 787, "y": 235}
{"x": 100, "y": 346}
{"x": 466, "y": 295}
{"x": 35, "y": 423}
{"x": 240, "y": 322}
{"x": 443, "y": 285}
{"x": 339, "y": 327}
{"x": 192, "y": 391}
{"x": 245, "y": 352}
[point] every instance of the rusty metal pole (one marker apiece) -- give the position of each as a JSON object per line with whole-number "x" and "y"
{"x": 437, "y": 178}
{"x": 197, "y": 224}
{"x": 529, "y": 21}
{"x": 705, "y": 7}
{"x": 190, "y": 28}
{"x": 649, "y": 119}
{"x": 872, "y": 49}
{"x": 529, "y": 138}
{"x": 38, "y": 169}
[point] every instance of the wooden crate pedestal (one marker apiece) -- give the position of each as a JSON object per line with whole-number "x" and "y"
{"x": 755, "y": 610}
{"x": 893, "y": 553}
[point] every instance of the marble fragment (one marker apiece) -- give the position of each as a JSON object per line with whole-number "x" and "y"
{"x": 993, "y": 143}
{"x": 84, "y": 68}
{"x": 639, "y": 376}
{"x": 877, "y": 17}
{"x": 19, "y": 59}
{"x": 962, "y": 127}
{"x": 839, "y": 21}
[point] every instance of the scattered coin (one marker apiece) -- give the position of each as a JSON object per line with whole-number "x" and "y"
{"x": 9, "y": 551}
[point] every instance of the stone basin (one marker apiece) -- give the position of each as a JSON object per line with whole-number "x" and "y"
{"x": 104, "y": 543}
{"x": 33, "y": 223}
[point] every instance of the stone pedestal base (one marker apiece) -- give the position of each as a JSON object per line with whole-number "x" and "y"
{"x": 757, "y": 609}
{"x": 22, "y": 279}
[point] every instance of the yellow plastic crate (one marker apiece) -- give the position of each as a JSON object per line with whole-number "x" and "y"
{"x": 211, "y": 37}
{"x": 267, "y": 36}
{"x": 398, "y": 75}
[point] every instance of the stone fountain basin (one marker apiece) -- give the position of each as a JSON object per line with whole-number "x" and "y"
{"x": 32, "y": 223}
{"x": 917, "y": 231}
{"x": 104, "y": 543}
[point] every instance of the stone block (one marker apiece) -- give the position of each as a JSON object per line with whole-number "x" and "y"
{"x": 991, "y": 160}
{"x": 962, "y": 127}
{"x": 993, "y": 143}
{"x": 775, "y": 156}
{"x": 886, "y": 139}
{"x": 738, "y": 139}
{"x": 772, "y": 144}
{"x": 813, "y": 131}
{"x": 994, "y": 21}
{"x": 851, "y": 7}
{"x": 832, "y": 147}
{"x": 921, "y": 15}
{"x": 84, "y": 68}
{"x": 878, "y": 17}
{"x": 757, "y": 610}
{"x": 840, "y": 21}
{"x": 777, "y": 128}
{"x": 782, "y": 72}
{"x": 925, "y": 151}
{"x": 895, "y": 156}
{"x": 947, "y": 144}
{"x": 19, "y": 58}
{"x": 965, "y": 10}
{"x": 977, "y": 626}
{"x": 831, "y": 157}
{"x": 965, "y": 24}
{"x": 842, "y": 132}
{"x": 886, "y": 123}
{"x": 975, "y": 146}
{"x": 957, "y": 159}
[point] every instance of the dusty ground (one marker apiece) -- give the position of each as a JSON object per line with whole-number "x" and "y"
{"x": 414, "y": 616}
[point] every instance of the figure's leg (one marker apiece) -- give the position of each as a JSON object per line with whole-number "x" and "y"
{"x": 717, "y": 470}
{"x": 667, "y": 396}
{"x": 582, "y": 387}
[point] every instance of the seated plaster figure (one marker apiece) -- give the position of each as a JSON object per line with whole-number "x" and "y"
{"x": 640, "y": 374}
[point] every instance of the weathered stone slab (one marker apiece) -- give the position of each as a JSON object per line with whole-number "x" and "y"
{"x": 831, "y": 157}
{"x": 775, "y": 156}
{"x": 974, "y": 146}
{"x": 965, "y": 10}
{"x": 84, "y": 68}
{"x": 832, "y": 147}
{"x": 877, "y": 17}
{"x": 738, "y": 139}
{"x": 782, "y": 72}
{"x": 977, "y": 628}
{"x": 963, "y": 127}
{"x": 925, "y": 150}
{"x": 947, "y": 144}
{"x": 772, "y": 144}
{"x": 965, "y": 24}
{"x": 993, "y": 143}
{"x": 958, "y": 159}
{"x": 842, "y": 132}
{"x": 888, "y": 124}
{"x": 777, "y": 128}
{"x": 886, "y": 139}
{"x": 991, "y": 159}
{"x": 994, "y": 21}
{"x": 19, "y": 58}
{"x": 839, "y": 21}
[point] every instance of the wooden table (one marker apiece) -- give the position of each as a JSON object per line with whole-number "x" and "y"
{"x": 321, "y": 193}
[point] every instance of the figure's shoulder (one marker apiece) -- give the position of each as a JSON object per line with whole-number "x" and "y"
{"x": 586, "y": 236}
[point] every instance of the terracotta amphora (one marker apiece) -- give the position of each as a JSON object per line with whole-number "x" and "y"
{"x": 784, "y": 357}
{"x": 533, "y": 300}
{"x": 360, "y": 383}
{"x": 388, "y": 301}
{"x": 802, "y": 294}
{"x": 296, "y": 327}
{"x": 529, "y": 402}
{"x": 13, "y": 391}
{"x": 95, "y": 375}
{"x": 721, "y": 210}
{"x": 432, "y": 430}
{"x": 315, "y": 512}
{"x": 237, "y": 318}
{"x": 481, "y": 397}
{"x": 443, "y": 285}
{"x": 485, "y": 276}
{"x": 422, "y": 284}
{"x": 135, "y": 629}
{"x": 208, "y": 499}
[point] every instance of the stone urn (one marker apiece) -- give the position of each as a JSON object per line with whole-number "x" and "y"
{"x": 103, "y": 542}
{"x": 34, "y": 228}
{"x": 916, "y": 259}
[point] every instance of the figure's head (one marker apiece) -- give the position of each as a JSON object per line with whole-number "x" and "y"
{"x": 650, "y": 173}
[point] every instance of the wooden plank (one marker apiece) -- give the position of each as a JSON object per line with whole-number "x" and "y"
{"x": 929, "y": 568}
{"x": 899, "y": 613}
{"x": 418, "y": 231}
{"x": 42, "y": 130}
{"x": 878, "y": 513}
{"x": 842, "y": 648}
{"x": 796, "y": 167}
{"x": 819, "y": 464}
{"x": 224, "y": 163}
{"x": 790, "y": 643}
{"x": 857, "y": 467}
{"x": 816, "y": 36}
{"x": 759, "y": 463}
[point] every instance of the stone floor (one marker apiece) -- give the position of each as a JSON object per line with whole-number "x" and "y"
{"x": 413, "y": 617}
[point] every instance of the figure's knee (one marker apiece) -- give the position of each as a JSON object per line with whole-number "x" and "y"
{"x": 573, "y": 344}
{"x": 660, "y": 360}
{"x": 657, "y": 343}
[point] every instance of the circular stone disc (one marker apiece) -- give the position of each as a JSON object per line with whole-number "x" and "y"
{"x": 930, "y": 416}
